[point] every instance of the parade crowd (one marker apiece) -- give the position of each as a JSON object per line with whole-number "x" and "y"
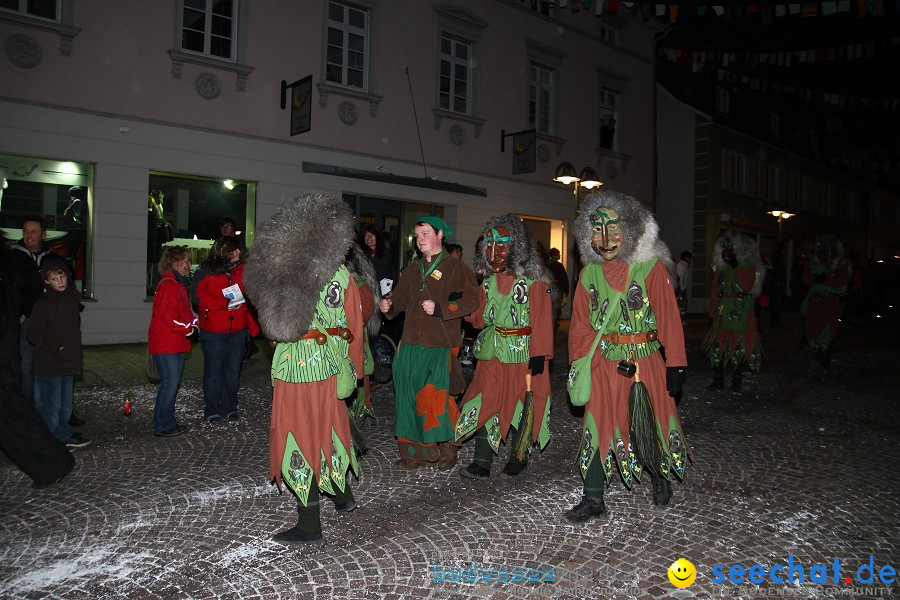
{"x": 314, "y": 288}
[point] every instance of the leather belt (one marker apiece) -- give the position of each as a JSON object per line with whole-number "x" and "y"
{"x": 631, "y": 338}
{"x": 315, "y": 333}
{"x": 509, "y": 332}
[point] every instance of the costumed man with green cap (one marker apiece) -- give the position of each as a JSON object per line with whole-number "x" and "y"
{"x": 733, "y": 337}
{"x": 511, "y": 386}
{"x": 436, "y": 291}
{"x": 309, "y": 304}
{"x": 827, "y": 273}
{"x": 623, "y": 311}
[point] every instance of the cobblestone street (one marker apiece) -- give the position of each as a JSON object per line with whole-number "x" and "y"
{"x": 803, "y": 462}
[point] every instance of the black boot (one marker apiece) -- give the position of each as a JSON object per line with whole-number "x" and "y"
{"x": 585, "y": 510}
{"x": 308, "y": 529}
{"x": 475, "y": 471}
{"x": 344, "y": 501}
{"x": 662, "y": 490}
{"x": 718, "y": 382}
{"x": 514, "y": 467}
{"x": 737, "y": 378}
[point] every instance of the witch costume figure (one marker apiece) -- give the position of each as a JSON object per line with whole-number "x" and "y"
{"x": 827, "y": 273}
{"x": 309, "y": 305}
{"x": 623, "y": 311}
{"x": 733, "y": 337}
{"x": 511, "y": 386}
{"x": 359, "y": 404}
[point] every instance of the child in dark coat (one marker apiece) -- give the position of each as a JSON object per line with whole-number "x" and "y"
{"x": 55, "y": 330}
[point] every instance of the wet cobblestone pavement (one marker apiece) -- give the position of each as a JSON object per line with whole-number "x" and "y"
{"x": 803, "y": 462}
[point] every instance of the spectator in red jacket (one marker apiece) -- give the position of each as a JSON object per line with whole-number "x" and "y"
{"x": 172, "y": 328}
{"x": 225, "y": 321}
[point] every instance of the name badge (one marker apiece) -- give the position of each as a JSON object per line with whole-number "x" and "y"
{"x": 436, "y": 275}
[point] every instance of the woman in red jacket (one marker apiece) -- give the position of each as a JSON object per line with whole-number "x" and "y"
{"x": 171, "y": 329}
{"x": 225, "y": 321}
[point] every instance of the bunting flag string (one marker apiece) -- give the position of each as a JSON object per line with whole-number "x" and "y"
{"x": 728, "y": 11}
{"x": 841, "y": 53}
{"x": 761, "y": 85}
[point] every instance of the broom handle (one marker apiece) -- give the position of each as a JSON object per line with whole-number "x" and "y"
{"x": 527, "y": 382}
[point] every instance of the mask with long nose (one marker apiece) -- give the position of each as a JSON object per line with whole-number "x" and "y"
{"x": 497, "y": 248}
{"x": 606, "y": 232}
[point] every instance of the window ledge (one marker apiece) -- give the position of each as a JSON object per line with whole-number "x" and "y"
{"x": 326, "y": 89}
{"x": 440, "y": 114}
{"x": 179, "y": 58}
{"x": 66, "y": 33}
{"x": 552, "y": 139}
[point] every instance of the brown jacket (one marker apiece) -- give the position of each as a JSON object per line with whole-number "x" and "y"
{"x": 450, "y": 277}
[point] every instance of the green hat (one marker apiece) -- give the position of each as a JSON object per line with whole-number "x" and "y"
{"x": 437, "y": 223}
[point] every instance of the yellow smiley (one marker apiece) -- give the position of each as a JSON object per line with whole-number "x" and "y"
{"x": 682, "y": 573}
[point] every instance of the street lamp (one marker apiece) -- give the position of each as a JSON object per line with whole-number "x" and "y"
{"x": 781, "y": 215}
{"x": 587, "y": 179}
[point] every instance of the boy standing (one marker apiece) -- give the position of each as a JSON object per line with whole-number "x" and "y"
{"x": 55, "y": 330}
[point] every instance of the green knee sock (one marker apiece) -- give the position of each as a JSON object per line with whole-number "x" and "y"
{"x": 484, "y": 454}
{"x": 595, "y": 480}
{"x": 308, "y": 519}
{"x": 342, "y": 497}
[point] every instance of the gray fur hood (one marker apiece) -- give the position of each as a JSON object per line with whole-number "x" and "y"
{"x": 295, "y": 254}
{"x": 523, "y": 256}
{"x": 746, "y": 250}
{"x": 639, "y": 228}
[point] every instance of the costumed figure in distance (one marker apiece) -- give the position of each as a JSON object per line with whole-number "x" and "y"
{"x": 733, "y": 336}
{"x": 360, "y": 402}
{"x": 826, "y": 272}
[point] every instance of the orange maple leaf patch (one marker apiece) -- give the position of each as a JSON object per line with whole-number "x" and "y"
{"x": 431, "y": 403}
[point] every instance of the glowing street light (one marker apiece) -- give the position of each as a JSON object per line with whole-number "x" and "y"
{"x": 781, "y": 215}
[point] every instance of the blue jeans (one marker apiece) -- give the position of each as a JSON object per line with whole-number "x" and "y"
{"x": 53, "y": 401}
{"x": 222, "y": 354}
{"x": 26, "y": 363}
{"x": 170, "y": 367}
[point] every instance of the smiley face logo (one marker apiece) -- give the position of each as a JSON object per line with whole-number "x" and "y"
{"x": 682, "y": 573}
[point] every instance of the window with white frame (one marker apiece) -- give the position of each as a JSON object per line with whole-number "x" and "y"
{"x": 42, "y": 9}
{"x": 735, "y": 172}
{"x": 609, "y": 118}
{"x": 209, "y": 27}
{"x": 542, "y": 98}
{"x": 347, "y": 46}
{"x": 723, "y": 101}
{"x": 454, "y": 92}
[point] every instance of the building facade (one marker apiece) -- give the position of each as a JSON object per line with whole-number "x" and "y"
{"x": 713, "y": 178}
{"x": 128, "y": 126}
